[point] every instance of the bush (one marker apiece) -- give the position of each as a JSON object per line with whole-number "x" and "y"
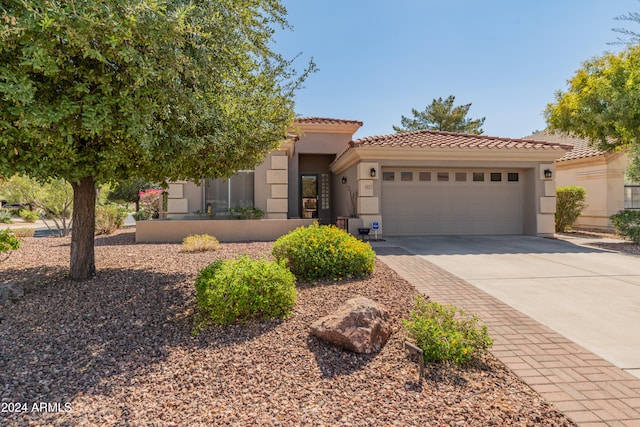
{"x": 570, "y": 202}
{"x": 29, "y": 216}
{"x": 243, "y": 289}
{"x": 324, "y": 252}
{"x": 8, "y": 241}
{"x": 247, "y": 213}
{"x": 141, "y": 215}
{"x": 200, "y": 243}
{"x": 627, "y": 224}
{"x": 24, "y": 232}
{"x": 5, "y": 216}
{"x": 446, "y": 332}
{"x": 109, "y": 218}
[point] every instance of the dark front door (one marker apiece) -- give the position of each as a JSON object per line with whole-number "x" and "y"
{"x": 309, "y": 195}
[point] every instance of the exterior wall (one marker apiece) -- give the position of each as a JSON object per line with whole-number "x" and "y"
{"x": 603, "y": 179}
{"x": 157, "y": 231}
{"x": 183, "y": 199}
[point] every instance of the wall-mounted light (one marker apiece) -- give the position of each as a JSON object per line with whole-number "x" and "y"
{"x": 344, "y": 179}
{"x": 547, "y": 173}
{"x": 373, "y": 172}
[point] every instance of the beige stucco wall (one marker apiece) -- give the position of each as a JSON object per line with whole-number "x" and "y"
{"x": 603, "y": 179}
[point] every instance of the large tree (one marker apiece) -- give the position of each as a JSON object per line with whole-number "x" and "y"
{"x": 602, "y": 104}
{"x": 103, "y": 91}
{"x": 442, "y": 115}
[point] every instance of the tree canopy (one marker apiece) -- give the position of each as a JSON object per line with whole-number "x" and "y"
{"x": 95, "y": 92}
{"x": 602, "y": 104}
{"x": 442, "y": 115}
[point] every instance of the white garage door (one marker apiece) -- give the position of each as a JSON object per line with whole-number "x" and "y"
{"x": 441, "y": 201}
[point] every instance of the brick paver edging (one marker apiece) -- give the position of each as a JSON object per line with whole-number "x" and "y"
{"x": 585, "y": 387}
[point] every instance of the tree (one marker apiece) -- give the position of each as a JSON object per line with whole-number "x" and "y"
{"x": 602, "y": 104}
{"x": 442, "y": 115}
{"x": 97, "y": 92}
{"x": 128, "y": 191}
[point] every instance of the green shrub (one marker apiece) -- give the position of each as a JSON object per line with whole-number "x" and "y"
{"x": 570, "y": 202}
{"x": 247, "y": 213}
{"x": 446, "y": 332}
{"x": 29, "y": 216}
{"x": 627, "y": 224}
{"x": 109, "y": 218}
{"x": 24, "y": 232}
{"x": 243, "y": 289}
{"x": 8, "y": 241}
{"x": 324, "y": 252}
{"x": 141, "y": 215}
{"x": 200, "y": 243}
{"x": 5, "y": 216}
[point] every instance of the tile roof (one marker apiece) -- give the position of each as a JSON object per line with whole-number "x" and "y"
{"x": 325, "y": 120}
{"x": 581, "y": 147}
{"x": 434, "y": 139}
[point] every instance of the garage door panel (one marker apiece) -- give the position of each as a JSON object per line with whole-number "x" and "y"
{"x": 431, "y": 208}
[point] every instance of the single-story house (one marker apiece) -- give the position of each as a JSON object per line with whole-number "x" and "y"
{"x": 601, "y": 173}
{"x": 412, "y": 183}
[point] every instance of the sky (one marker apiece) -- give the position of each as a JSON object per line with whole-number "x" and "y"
{"x": 378, "y": 59}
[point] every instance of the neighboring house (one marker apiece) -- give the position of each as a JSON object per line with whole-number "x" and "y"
{"x": 412, "y": 183}
{"x": 602, "y": 174}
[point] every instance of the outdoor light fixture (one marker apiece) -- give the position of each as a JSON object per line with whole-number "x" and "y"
{"x": 373, "y": 172}
{"x": 344, "y": 179}
{"x": 547, "y": 173}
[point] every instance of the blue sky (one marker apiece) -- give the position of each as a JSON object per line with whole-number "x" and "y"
{"x": 378, "y": 59}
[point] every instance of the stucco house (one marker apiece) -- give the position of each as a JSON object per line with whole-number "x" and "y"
{"x": 413, "y": 183}
{"x": 601, "y": 173}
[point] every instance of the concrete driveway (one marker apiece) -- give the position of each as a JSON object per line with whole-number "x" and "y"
{"x": 590, "y": 296}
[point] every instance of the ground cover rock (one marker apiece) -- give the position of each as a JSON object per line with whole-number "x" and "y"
{"x": 10, "y": 292}
{"x": 360, "y": 325}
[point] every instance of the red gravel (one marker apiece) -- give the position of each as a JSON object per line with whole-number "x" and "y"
{"x": 118, "y": 350}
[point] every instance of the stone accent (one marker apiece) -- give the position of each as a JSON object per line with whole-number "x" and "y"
{"x": 10, "y": 292}
{"x": 360, "y": 325}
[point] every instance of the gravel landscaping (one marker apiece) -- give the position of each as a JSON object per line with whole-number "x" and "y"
{"x": 118, "y": 350}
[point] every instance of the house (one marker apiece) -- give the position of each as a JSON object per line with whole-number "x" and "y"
{"x": 413, "y": 183}
{"x": 601, "y": 173}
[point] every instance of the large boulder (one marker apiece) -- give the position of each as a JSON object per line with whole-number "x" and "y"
{"x": 359, "y": 325}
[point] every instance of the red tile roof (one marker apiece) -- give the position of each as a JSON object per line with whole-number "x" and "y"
{"x": 434, "y": 139}
{"x": 325, "y": 120}
{"x": 580, "y": 147}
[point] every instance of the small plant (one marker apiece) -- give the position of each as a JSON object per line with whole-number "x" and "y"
{"x": 200, "y": 243}
{"x": 151, "y": 200}
{"x": 24, "y": 232}
{"x": 28, "y": 215}
{"x": 109, "y": 218}
{"x": 446, "y": 332}
{"x": 8, "y": 241}
{"x": 627, "y": 224}
{"x": 240, "y": 290}
{"x": 570, "y": 202}
{"x": 141, "y": 215}
{"x": 246, "y": 213}
{"x": 324, "y": 252}
{"x": 5, "y": 216}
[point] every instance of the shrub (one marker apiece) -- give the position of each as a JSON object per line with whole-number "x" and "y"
{"x": 141, "y": 215}
{"x": 24, "y": 232}
{"x": 324, "y": 252}
{"x": 247, "y": 213}
{"x": 109, "y": 218}
{"x": 200, "y": 243}
{"x": 243, "y": 289}
{"x": 8, "y": 241}
{"x": 627, "y": 224}
{"x": 570, "y": 202}
{"x": 29, "y": 216}
{"x": 5, "y": 216}
{"x": 446, "y": 332}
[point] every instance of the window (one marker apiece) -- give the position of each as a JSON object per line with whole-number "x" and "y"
{"x": 632, "y": 196}
{"x": 406, "y": 176}
{"x": 388, "y": 176}
{"x": 478, "y": 176}
{"x": 496, "y": 176}
{"x": 461, "y": 176}
{"x": 222, "y": 194}
{"x": 513, "y": 177}
{"x": 443, "y": 176}
{"x": 425, "y": 176}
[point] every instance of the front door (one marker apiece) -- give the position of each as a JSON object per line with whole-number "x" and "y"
{"x": 309, "y": 195}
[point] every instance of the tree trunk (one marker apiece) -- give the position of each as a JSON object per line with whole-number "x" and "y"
{"x": 83, "y": 264}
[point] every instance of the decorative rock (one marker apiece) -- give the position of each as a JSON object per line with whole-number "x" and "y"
{"x": 10, "y": 292}
{"x": 359, "y": 325}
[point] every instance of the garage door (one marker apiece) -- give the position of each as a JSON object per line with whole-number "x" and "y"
{"x": 439, "y": 201}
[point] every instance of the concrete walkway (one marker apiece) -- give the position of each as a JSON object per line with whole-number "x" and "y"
{"x": 583, "y": 385}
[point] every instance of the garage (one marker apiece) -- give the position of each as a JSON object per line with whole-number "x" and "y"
{"x": 452, "y": 201}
